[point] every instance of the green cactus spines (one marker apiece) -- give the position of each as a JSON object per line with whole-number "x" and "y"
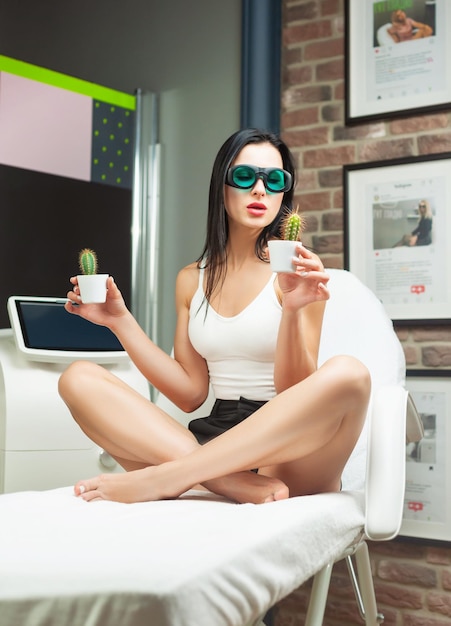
{"x": 87, "y": 261}
{"x": 292, "y": 226}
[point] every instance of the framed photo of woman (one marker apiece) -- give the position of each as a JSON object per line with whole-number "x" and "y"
{"x": 397, "y": 234}
{"x": 427, "y": 506}
{"x": 398, "y": 57}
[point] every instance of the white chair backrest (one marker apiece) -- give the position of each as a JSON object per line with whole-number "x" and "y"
{"x": 355, "y": 323}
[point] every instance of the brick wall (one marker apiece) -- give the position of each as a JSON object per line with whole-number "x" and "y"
{"x": 413, "y": 579}
{"x": 313, "y": 126}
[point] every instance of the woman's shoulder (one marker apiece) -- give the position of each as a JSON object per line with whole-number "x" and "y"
{"x": 187, "y": 283}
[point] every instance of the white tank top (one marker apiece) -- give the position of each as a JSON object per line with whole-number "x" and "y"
{"x": 239, "y": 350}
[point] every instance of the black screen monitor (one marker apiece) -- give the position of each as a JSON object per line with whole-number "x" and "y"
{"x": 45, "y": 331}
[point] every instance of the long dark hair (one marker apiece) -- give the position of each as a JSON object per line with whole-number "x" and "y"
{"x": 214, "y": 253}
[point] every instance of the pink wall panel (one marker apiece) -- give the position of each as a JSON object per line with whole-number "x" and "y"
{"x": 44, "y": 128}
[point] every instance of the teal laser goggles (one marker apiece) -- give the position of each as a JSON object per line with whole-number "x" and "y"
{"x": 275, "y": 179}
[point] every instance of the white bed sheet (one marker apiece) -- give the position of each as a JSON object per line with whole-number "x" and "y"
{"x": 196, "y": 560}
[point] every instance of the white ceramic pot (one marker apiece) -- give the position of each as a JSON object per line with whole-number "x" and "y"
{"x": 92, "y": 288}
{"x": 281, "y": 253}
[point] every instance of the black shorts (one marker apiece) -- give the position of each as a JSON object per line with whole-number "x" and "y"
{"x": 224, "y": 415}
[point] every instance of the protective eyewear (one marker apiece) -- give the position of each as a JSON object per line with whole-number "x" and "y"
{"x": 246, "y": 176}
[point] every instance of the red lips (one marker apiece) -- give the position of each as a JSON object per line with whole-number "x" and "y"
{"x": 257, "y": 205}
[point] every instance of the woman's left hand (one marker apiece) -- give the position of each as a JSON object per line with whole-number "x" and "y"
{"x": 308, "y": 284}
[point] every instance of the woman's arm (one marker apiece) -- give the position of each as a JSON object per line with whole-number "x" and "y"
{"x": 423, "y": 30}
{"x": 423, "y": 227}
{"x": 183, "y": 379}
{"x": 303, "y": 297}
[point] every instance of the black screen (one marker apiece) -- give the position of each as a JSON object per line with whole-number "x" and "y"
{"x": 48, "y": 326}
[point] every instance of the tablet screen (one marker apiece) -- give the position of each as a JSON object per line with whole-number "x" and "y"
{"x": 44, "y": 330}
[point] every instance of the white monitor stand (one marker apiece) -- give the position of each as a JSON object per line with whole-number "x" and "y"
{"x": 41, "y": 447}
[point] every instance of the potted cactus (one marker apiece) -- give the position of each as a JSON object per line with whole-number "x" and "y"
{"x": 92, "y": 285}
{"x": 282, "y": 251}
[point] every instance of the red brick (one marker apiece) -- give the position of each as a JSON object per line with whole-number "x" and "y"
{"x": 432, "y": 144}
{"x": 411, "y": 355}
{"x": 446, "y": 579}
{"x": 300, "y": 117}
{"x": 417, "y": 124}
{"x": 295, "y": 96}
{"x": 332, "y": 221}
{"x": 422, "y": 620}
{"x": 316, "y": 201}
{"x": 291, "y": 56}
{"x": 298, "y": 75}
{"x": 339, "y": 91}
{"x": 330, "y": 178}
{"x": 380, "y": 150}
{"x": 399, "y": 596}
{"x": 407, "y": 573}
{"x": 432, "y": 333}
{"x": 306, "y": 179}
{"x": 311, "y": 223}
{"x": 337, "y": 202}
{"x": 332, "y": 112}
{"x": 397, "y": 549}
{"x": 324, "y": 49}
{"x": 344, "y": 612}
{"x": 436, "y": 356}
{"x": 325, "y": 157}
{"x": 402, "y": 333}
{"x": 305, "y": 11}
{"x": 439, "y": 603}
{"x": 335, "y": 262}
{"x": 328, "y": 244}
{"x": 317, "y": 136}
{"x": 332, "y": 70}
{"x": 338, "y": 25}
{"x": 364, "y": 131}
{"x": 307, "y": 32}
{"x": 330, "y": 7}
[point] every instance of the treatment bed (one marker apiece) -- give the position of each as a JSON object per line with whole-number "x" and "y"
{"x": 200, "y": 559}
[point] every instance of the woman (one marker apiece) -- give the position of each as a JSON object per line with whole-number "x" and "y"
{"x": 404, "y": 28}
{"x": 253, "y": 334}
{"x": 421, "y": 234}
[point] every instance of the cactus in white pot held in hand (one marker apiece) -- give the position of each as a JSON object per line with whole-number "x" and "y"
{"x": 92, "y": 285}
{"x": 282, "y": 251}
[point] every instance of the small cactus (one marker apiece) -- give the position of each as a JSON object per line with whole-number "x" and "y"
{"x": 292, "y": 226}
{"x": 87, "y": 260}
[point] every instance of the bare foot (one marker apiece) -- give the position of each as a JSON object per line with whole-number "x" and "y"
{"x": 249, "y": 487}
{"x": 151, "y": 483}
{"x": 141, "y": 485}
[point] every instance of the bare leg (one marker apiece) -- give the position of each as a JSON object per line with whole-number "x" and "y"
{"x": 138, "y": 434}
{"x": 310, "y": 428}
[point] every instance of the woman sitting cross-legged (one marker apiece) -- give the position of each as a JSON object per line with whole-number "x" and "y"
{"x": 253, "y": 335}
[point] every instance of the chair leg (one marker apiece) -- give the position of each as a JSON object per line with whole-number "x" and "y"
{"x": 364, "y": 587}
{"x": 318, "y": 596}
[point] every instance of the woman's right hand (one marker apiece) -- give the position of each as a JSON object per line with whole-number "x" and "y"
{"x": 105, "y": 314}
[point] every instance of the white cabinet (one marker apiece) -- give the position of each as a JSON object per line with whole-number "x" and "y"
{"x": 41, "y": 446}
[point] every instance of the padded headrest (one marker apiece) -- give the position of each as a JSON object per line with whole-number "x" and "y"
{"x": 356, "y": 323}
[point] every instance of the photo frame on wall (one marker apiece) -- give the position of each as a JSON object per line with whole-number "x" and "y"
{"x": 397, "y": 62}
{"x": 397, "y": 230}
{"x": 427, "y": 506}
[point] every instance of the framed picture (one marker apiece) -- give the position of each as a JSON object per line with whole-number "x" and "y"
{"x": 397, "y": 228}
{"x": 398, "y": 58}
{"x": 427, "y": 505}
